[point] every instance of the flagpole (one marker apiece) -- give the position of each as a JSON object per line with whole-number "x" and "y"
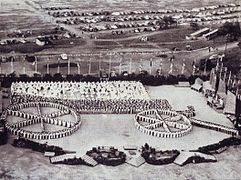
{"x": 36, "y": 65}
{"x": 120, "y": 66}
{"x": 183, "y": 68}
{"x": 234, "y": 81}
{"x": 194, "y": 67}
{"x": 217, "y": 64}
{"x": 140, "y": 65}
{"x": 24, "y": 66}
{"x": 89, "y": 71}
{"x": 130, "y": 65}
{"x": 78, "y": 68}
{"x": 110, "y": 64}
{"x": 47, "y": 65}
{"x": 171, "y": 69}
{"x": 68, "y": 66}
{"x": 229, "y": 77}
{"x": 12, "y": 65}
{"x": 161, "y": 66}
{"x": 150, "y": 66}
{"x": 58, "y": 69}
{"x": 100, "y": 63}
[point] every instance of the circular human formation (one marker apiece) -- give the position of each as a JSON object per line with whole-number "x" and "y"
{"x": 17, "y": 128}
{"x": 163, "y": 123}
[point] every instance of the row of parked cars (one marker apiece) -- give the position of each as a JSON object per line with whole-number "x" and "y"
{"x": 52, "y": 11}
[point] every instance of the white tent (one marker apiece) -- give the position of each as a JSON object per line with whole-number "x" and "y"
{"x": 197, "y": 86}
{"x": 207, "y": 87}
{"x": 64, "y": 56}
{"x": 39, "y": 42}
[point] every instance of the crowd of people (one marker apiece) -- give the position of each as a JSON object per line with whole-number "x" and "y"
{"x": 119, "y": 106}
{"x": 119, "y": 97}
{"x": 111, "y": 90}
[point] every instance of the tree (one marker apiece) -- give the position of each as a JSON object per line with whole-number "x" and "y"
{"x": 231, "y": 29}
{"x": 194, "y": 26}
{"x": 168, "y": 20}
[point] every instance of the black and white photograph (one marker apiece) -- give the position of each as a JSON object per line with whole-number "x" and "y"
{"x": 120, "y": 89}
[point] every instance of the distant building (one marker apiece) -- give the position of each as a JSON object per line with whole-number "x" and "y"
{"x": 198, "y": 34}
{"x": 211, "y": 34}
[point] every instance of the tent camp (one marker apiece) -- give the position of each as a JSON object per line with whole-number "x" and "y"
{"x": 197, "y": 86}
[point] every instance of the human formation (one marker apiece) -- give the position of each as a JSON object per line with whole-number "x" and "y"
{"x": 118, "y": 97}
{"x": 113, "y": 90}
{"x": 18, "y": 128}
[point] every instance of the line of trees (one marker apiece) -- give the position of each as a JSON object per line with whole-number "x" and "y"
{"x": 144, "y": 78}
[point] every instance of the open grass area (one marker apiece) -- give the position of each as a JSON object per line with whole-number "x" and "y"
{"x": 15, "y": 22}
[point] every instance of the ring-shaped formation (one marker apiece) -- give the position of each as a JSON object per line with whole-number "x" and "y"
{"x": 163, "y": 123}
{"x": 16, "y": 128}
